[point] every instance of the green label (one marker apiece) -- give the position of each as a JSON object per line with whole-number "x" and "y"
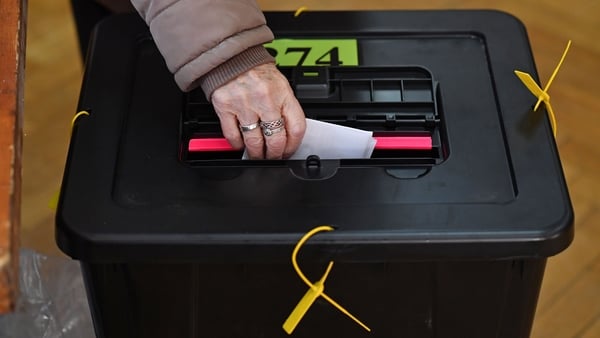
{"x": 314, "y": 52}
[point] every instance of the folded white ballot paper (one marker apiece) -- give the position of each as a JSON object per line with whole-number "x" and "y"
{"x": 332, "y": 141}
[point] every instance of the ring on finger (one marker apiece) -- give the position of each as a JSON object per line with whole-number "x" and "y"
{"x": 271, "y": 131}
{"x": 266, "y": 125}
{"x": 249, "y": 127}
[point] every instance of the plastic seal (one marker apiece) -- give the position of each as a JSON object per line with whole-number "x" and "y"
{"x": 315, "y": 290}
{"x": 299, "y": 11}
{"x": 81, "y": 113}
{"x": 542, "y": 95}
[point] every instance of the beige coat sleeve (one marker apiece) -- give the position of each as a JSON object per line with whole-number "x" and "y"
{"x": 207, "y": 42}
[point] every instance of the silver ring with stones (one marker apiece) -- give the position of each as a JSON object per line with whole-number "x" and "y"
{"x": 269, "y": 132}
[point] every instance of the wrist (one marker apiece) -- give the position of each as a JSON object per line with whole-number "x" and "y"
{"x": 232, "y": 68}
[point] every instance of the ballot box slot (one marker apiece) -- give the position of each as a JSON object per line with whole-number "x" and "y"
{"x": 398, "y": 104}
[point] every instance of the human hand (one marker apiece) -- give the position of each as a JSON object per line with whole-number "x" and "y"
{"x": 258, "y": 99}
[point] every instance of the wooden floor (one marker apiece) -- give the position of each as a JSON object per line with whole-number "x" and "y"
{"x": 569, "y": 305}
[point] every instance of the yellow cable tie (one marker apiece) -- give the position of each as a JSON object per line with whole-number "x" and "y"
{"x": 315, "y": 290}
{"x": 83, "y": 112}
{"x": 542, "y": 95}
{"x": 53, "y": 202}
{"x": 299, "y": 11}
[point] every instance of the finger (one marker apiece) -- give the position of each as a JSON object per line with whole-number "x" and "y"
{"x": 275, "y": 145}
{"x": 255, "y": 143}
{"x": 276, "y": 140}
{"x": 231, "y": 131}
{"x": 295, "y": 125}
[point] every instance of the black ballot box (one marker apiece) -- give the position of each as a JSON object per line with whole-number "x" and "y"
{"x": 443, "y": 232}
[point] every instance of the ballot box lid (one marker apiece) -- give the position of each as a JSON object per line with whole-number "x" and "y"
{"x": 494, "y": 188}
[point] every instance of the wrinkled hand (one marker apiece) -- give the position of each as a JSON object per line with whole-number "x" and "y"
{"x": 260, "y": 94}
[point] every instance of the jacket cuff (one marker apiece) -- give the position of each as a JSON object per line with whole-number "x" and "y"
{"x": 232, "y": 68}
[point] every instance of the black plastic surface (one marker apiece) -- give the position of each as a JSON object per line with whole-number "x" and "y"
{"x": 447, "y": 299}
{"x": 500, "y": 192}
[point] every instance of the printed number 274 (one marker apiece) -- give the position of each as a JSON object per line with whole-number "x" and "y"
{"x": 330, "y": 58}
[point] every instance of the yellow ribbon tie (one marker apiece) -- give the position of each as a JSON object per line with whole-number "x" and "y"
{"x": 542, "y": 95}
{"x": 315, "y": 290}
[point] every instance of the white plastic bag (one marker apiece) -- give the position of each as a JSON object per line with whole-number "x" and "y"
{"x": 52, "y": 301}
